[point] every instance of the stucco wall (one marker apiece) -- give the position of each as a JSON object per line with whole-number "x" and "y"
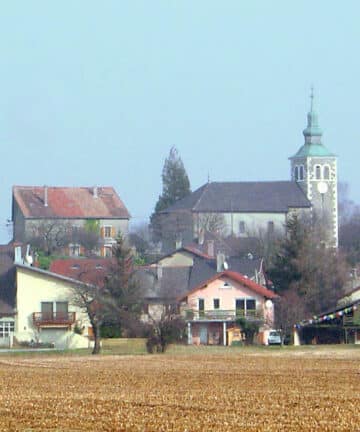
{"x": 227, "y": 296}
{"x": 178, "y": 259}
{"x": 34, "y": 288}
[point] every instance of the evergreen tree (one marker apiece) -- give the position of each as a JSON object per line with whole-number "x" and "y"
{"x": 176, "y": 186}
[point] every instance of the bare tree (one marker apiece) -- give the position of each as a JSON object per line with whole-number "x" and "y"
{"x": 165, "y": 329}
{"x": 49, "y": 236}
{"x": 211, "y": 222}
{"x": 109, "y": 295}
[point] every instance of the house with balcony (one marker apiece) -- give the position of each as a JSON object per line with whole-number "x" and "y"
{"x": 212, "y": 308}
{"x": 75, "y": 220}
{"x": 45, "y": 310}
{"x": 38, "y": 305}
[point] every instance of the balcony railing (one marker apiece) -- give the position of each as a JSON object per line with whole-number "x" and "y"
{"x": 52, "y": 318}
{"x": 223, "y": 315}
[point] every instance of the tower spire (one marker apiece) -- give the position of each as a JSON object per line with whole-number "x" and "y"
{"x": 312, "y": 133}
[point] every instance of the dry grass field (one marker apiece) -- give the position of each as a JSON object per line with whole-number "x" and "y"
{"x": 185, "y": 390}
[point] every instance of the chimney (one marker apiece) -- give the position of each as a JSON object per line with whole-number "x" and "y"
{"x": 18, "y": 258}
{"x": 95, "y": 192}
{"x": 211, "y": 248}
{"x": 220, "y": 260}
{"x": 46, "y": 196}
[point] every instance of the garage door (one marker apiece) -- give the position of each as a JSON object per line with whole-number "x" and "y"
{"x": 57, "y": 336}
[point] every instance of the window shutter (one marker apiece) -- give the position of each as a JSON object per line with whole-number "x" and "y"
{"x": 102, "y": 232}
{"x": 113, "y": 232}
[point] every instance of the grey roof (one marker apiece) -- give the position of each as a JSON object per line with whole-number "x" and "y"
{"x": 173, "y": 282}
{"x": 177, "y": 281}
{"x": 246, "y": 197}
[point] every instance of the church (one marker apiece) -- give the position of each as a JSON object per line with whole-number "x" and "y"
{"x": 250, "y": 209}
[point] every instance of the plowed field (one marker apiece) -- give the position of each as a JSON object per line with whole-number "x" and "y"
{"x": 230, "y": 391}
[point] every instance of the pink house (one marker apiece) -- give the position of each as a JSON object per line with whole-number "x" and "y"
{"x": 212, "y": 308}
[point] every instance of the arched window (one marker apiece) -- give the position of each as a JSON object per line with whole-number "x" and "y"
{"x": 326, "y": 172}
{"x": 317, "y": 170}
{"x": 296, "y": 173}
{"x": 301, "y": 172}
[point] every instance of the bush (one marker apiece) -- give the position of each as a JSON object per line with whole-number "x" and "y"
{"x": 167, "y": 330}
{"x": 250, "y": 328}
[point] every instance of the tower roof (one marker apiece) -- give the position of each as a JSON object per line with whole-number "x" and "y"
{"x": 312, "y": 134}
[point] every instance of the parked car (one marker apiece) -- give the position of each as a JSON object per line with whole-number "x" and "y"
{"x": 274, "y": 337}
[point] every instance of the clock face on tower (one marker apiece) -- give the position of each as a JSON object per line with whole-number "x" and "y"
{"x": 322, "y": 187}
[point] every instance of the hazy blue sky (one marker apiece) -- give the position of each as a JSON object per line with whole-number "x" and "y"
{"x": 96, "y": 93}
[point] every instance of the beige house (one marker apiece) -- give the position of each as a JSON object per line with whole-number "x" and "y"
{"x": 45, "y": 309}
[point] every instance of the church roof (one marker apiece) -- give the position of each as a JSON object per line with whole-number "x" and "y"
{"x": 312, "y": 150}
{"x": 243, "y": 197}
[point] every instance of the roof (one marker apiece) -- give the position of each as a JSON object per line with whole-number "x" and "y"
{"x": 237, "y": 277}
{"x": 88, "y": 270}
{"x": 243, "y": 197}
{"x": 313, "y": 150}
{"x": 69, "y": 202}
{"x": 172, "y": 283}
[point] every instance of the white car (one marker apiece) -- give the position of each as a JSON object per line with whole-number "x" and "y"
{"x": 274, "y": 337}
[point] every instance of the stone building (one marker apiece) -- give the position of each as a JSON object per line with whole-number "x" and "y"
{"x": 243, "y": 209}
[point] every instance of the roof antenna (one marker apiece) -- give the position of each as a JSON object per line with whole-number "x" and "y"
{"x": 208, "y": 179}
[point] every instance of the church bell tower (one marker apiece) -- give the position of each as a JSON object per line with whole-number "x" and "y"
{"x": 314, "y": 169}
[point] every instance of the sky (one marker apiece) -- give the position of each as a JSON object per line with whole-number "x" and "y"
{"x": 96, "y": 93}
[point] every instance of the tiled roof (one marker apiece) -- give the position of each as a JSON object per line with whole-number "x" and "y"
{"x": 69, "y": 202}
{"x": 222, "y": 197}
{"x": 89, "y": 270}
{"x": 238, "y": 277}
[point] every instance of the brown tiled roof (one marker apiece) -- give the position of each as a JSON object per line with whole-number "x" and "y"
{"x": 88, "y": 270}
{"x": 238, "y": 277}
{"x": 69, "y": 202}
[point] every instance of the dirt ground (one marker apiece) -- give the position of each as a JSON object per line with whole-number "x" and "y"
{"x": 230, "y": 390}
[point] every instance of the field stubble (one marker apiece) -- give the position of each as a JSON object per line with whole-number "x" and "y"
{"x": 205, "y": 392}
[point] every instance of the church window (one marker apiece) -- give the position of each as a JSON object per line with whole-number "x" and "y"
{"x": 242, "y": 227}
{"x": 317, "y": 170}
{"x": 296, "y": 173}
{"x": 271, "y": 227}
{"x": 301, "y": 172}
{"x": 326, "y": 172}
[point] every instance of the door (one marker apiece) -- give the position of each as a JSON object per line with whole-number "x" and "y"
{"x": 62, "y": 311}
{"x": 203, "y": 335}
{"x": 47, "y": 309}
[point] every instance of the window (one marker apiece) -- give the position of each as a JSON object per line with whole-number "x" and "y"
{"x": 47, "y": 310}
{"x": 326, "y": 172}
{"x": 74, "y": 249}
{"x": 242, "y": 227}
{"x": 201, "y": 307}
{"x": 245, "y": 307}
{"x": 317, "y": 170}
{"x": 107, "y": 231}
{"x": 6, "y": 327}
{"x": 217, "y": 303}
{"x": 296, "y": 173}
{"x": 271, "y": 227}
{"x": 61, "y": 310}
{"x": 240, "y": 307}
{"x": 107, "y": 251}
{"x": 301, "y": 172}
